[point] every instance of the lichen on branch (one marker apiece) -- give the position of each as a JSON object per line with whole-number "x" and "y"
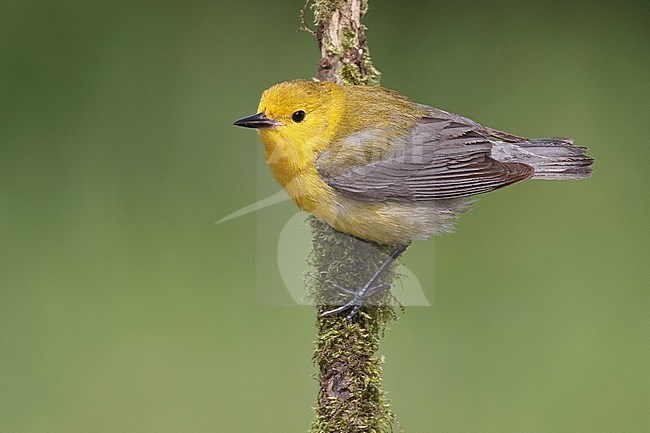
{"x": 345, "y": 58}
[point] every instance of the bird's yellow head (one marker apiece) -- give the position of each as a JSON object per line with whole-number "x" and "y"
{"x": 296, "y": 120}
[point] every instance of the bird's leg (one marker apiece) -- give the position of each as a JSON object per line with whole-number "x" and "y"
{"x": 360, "y": 295}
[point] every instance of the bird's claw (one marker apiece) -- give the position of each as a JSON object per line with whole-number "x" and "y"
{"x": 344, "y": 289}
{"x": 358, "y": 298}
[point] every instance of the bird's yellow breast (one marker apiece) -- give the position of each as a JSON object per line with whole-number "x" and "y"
{"x": 293, "y": 166}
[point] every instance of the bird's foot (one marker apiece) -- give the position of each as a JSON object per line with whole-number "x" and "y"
{"x": 357, "y": 298}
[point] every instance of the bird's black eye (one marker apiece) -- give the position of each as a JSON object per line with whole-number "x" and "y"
{"x": 298, "y": 116}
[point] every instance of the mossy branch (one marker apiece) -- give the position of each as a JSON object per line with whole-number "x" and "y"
{"x": 350, "y": 398}
{"x": 341, "y": 37}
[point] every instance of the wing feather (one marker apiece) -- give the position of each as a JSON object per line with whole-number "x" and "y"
{"x": 441, "y": 158}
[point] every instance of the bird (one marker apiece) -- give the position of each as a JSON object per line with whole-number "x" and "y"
{"x": 376, "y": 165}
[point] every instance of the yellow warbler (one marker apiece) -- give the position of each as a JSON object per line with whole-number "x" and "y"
{"x": 376, "y": 165}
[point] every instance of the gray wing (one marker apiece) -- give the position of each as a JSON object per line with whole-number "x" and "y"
{"x": 442, "y": 158}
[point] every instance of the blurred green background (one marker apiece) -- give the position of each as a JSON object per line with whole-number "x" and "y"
{"x": 124, "y": 308}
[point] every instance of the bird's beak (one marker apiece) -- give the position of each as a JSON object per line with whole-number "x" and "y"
{"x": 259, "y": 121}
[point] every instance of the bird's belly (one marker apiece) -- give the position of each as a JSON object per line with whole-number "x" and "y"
{"x": 383, "y": 223}
{"x": 389, "y": 223}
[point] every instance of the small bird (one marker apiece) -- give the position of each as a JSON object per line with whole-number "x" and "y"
{"x": 376, "y": 165}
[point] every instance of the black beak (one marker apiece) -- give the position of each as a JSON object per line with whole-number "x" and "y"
{"x": 259, "y": 121}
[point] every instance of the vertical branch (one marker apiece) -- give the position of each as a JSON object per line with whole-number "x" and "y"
{"x": 350, "y": 398}
{"x": 344, "y": 57}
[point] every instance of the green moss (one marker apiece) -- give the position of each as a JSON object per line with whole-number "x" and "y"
{"x": 351, "y": 73}
{"x": 347, "y": 38}
{"x": 323, "y": 9}
{"x": 350, "y": 398}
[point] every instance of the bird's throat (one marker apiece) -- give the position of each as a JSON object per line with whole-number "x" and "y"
{"x": 293, "y": 166}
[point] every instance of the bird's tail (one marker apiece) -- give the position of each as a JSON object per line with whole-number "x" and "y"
{"x": 552, "y": 158}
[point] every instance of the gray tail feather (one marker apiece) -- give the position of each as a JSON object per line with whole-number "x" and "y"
{"x": 552, "y": 158}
